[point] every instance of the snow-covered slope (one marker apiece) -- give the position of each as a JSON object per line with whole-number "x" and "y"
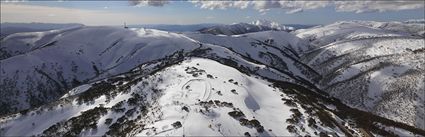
{"x": 203, "y": 96}
{"x": 94, "y": 81}
{"x": 192, "y": 98}
{"x": 273, "y": 48}
{"x": 22, "y": 43}
{"x": 42, "y": 65}
{"x": 174, "y": 28}
{"x": 347, "y": 30}
{"x": 371, "y": 67}
{"x": 11, "y": 28}
{"x": 273, "y": 25}
{"x": 344, "y": 30}
{"x": 242, "y": 28}
{"x": 414, "y": 27}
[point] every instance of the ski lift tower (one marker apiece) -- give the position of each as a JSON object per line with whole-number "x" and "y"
{"x": 125, "y": 26}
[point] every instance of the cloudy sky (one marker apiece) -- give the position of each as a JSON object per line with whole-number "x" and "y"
{"x": 194, "y": 12}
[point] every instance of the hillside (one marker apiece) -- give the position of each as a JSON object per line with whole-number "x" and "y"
{"x": 39, "y": 67}
{"x": 344, "y": 79}
{"x": 242, "y": 28}
{"x": 11, "y": 28}
{"x": 370, "y": 68}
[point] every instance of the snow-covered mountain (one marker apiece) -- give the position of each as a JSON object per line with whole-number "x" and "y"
{"x": 414, "y": 27}
{"x": 272, "y": 24}
{"x": 242, "y": 28}
{"x": 346, "y": 30}
{"x": 370, "y": 67}
{"x": 39, "y": 67}
{"x": 327, "y": 80}
{"x": 11, "y": 28}
{"x": 174, "y": 28}
{"x": 195, "y": 97}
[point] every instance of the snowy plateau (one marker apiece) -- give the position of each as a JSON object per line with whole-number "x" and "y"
{"x": 349, "y": 78}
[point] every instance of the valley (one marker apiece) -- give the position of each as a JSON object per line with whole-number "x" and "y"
{"x": 351, "y": 78}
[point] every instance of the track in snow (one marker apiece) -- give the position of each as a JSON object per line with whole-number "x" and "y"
{"x": 193, "y": 90}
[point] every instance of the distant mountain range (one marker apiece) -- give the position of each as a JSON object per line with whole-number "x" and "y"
{"x": 349, "y": 78}
{"x": 10, "y": 28}
{"x": 242, "y": 28}
{"x": 174, "y": 28}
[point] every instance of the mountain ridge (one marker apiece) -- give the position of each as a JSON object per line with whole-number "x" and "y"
{"x": 151, "y": 82}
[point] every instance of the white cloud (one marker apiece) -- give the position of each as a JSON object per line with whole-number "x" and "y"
{"x": 377, "y": 6}
{"x": 220, "y": 4}
{"x": 210, "y": 17}
{"x": 13, "y": 1}
{"x": 241, "y": 4}
{"x": 262, "y": 6}
{"x": 299, "y": 6}
{"x": 33, "y": 13}
{"x": 155, "y": 3}
{"x": 295, "y": 11}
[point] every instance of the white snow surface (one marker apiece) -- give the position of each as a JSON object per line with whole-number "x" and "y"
{"x": 82, "y": 54}
{"x": 272, "y": 24}
{"x": 254, "y": 97}
{"x": 373, "y": 66}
